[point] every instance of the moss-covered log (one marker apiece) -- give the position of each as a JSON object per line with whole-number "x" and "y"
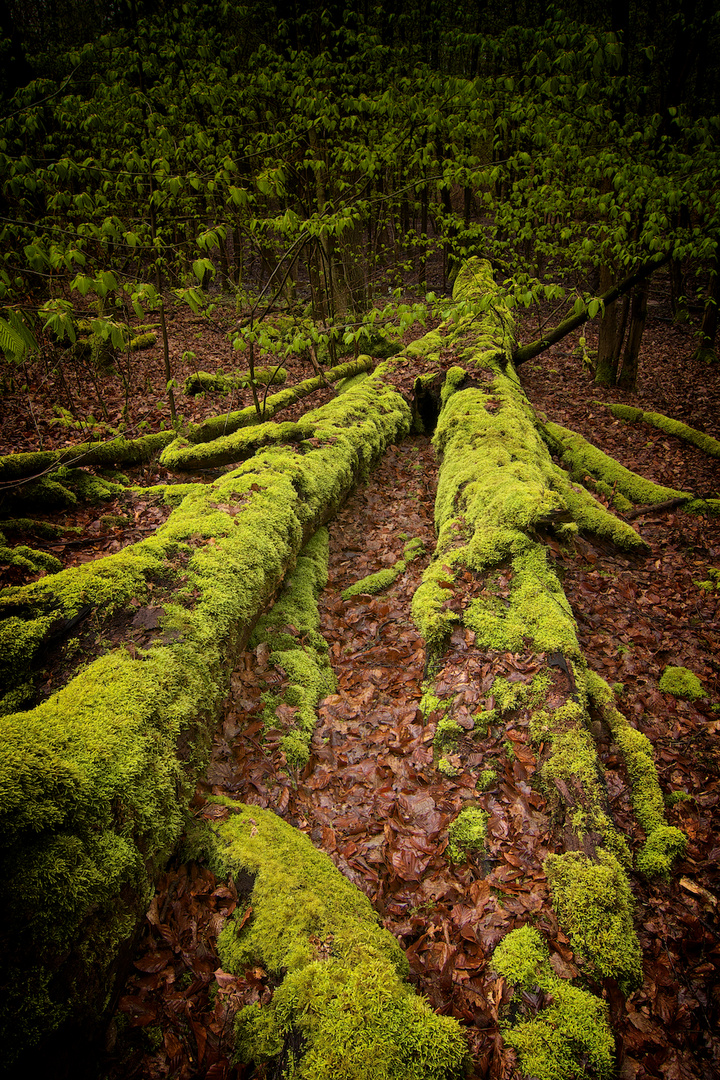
{"x": 217, "y": 426}
{"x": 92, "y": 455}
{"x": 95, "y": 780}
{"x": 611, "y": 479}
{"x": 202, "y": 382}
{"x": 342, "y": 1009}
{"x": 700, "y": 439}
{"x": 491, "y": 585}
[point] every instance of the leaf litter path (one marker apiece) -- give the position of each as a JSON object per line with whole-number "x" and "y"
{"x": 373, "y": 800}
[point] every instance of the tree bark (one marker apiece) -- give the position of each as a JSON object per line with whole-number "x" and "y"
{"x": 627, "y": 379}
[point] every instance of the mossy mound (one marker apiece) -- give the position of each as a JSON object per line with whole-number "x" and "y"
{"x": 595, "y": 906}
{"x": 681, "y": 682}
{"x": 342, "y": 997}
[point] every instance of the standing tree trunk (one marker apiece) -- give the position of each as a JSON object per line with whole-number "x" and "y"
{"x": 708, "y": 330}
{"x": 608, "y": 343}
{"x": 638, "y": 316}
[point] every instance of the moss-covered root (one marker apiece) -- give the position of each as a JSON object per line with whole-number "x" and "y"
{"x": 669, "y": 426}
{"x": 594, "y": 903}
{"x": 291, "y": 629}
{"x": 343, "y": 999}
{"x": 611, "y": 477}
{"x": 571, "y": 1037}
{"x": 383, "y": 579}
{"x": 201, "y": 382}
{"x": 663, "y": 843}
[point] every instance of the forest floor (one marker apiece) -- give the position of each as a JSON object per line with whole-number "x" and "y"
{"x": 371, "y": 796}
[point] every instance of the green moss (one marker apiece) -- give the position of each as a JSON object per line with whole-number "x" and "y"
{"x": 466, "y": 834}
{"x": 680, "y": 682}
{"x": 594, "y": 904}
{"x": 486, "y": 779}
{"x": 571, "y": 1037}
{"x": 663, "y": 842}
{"x": 95, "y": 781}
{"x": 583, "y": 458}
{"x": 447, "y": 734}
{"x": 342, "y": 988}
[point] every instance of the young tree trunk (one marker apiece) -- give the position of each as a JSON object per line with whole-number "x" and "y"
{"x": 708, "y": 330}
{"x": 638, "y": 316}
{"x": 608, "y": 345}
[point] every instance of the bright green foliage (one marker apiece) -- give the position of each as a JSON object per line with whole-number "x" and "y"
{"x": 466, "y": 834}
{"x": 571, "y": 1037}
{"x": 680, "y": 682}
{"x": 341, "y": 987}
{"x": 595, "y": 907}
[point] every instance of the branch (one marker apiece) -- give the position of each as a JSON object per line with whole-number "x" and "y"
{"x": 528, "y": 352}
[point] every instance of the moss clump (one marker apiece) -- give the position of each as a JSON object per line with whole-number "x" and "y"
{"x": 467, "y": 833}
{"x": 680, "y": 682}
{"x": 571, "y": 1037}
{"x": 430, "y": 703}
{"x": 447, "y": 734}
{"x": 486, "y": 779}
{"x": 595, "y": 907}
{"x": 447, "y": 769}
{"x": 342, "y": 991}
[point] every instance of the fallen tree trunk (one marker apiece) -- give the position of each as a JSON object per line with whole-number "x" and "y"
{"x": 95, "y": 780}
{"x": 491, "y": 600}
